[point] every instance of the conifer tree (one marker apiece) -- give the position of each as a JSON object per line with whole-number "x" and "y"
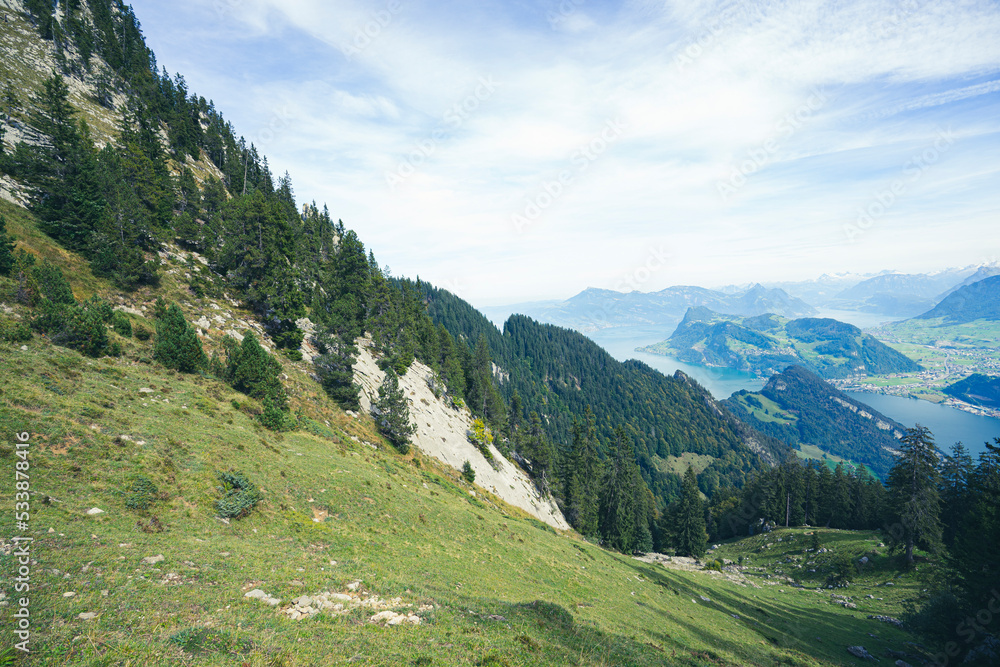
{"x": 538, "y": 450}
{"x": 177, "y": 344}
{"x": 392, "y": 413}
{"x": 840, "y": 498}
{"x": 619, "y": 511}
{"x": 914, "y": 499}
{"x": 251, "y": 370}
{"x": 335, "y": 368}
{"x": 6, "y": 249}
{"x": 67, "y": 190}
{"x": 584, "y": 476}
{"x": 975, "y": 555}
{"x": 692, "y": 538}
{"x": 956, "y": 471}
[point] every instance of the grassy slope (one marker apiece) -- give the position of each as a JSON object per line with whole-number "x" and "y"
{"x": 22, "y": 226}
{"x": 564, "y": 601}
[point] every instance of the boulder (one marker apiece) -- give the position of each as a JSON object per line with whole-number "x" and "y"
{"x": 860, "y": 652}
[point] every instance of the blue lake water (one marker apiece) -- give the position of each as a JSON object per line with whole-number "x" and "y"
{"x": 621, "y": 342}
{"x": 947, "y": 424}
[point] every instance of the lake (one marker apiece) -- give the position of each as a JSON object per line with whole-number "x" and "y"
{"x": 620, "y": 343}
{"x": 947, "y": 424}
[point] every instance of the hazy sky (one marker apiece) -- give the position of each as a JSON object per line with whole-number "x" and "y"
{"x": 521, "y": 150}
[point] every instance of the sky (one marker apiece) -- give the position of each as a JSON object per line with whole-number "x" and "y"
{"x": 524, "y": 150}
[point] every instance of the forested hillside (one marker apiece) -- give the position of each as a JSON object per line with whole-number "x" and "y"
{"x": 564, "y": 373}
{"x": 174, "y": 175}
{"x": 800, "y": 408}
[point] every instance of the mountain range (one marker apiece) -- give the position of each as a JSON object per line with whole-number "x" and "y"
{"x": 594, "y": 309}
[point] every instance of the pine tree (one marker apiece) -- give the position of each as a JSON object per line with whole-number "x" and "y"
{"x": 335, "y": 368}
{"x": 824, "y": 496}
{"x": 584, "y": 475}
{"x": 64, "y": 174}
{"x": 975, "y": 556}
{"x": 841, "y": 497}
{"x": 6, "y": 249}
{"x": 621, "y": 511}
{"x": 116, "y": 246}
{"x": 538, "y": 450}
{"x": 392, "y": 413}
{"x": 177, "y": 344}
{"x": 450, "y": 364}
{"x": 692, "y": 538}
{"x": 251, "y": 370}
{"x": 956, "y": 470}
{"x": 914, "y": 499}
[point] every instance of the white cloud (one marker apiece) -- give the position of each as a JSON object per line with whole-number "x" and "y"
{"x": 701, "y": 87}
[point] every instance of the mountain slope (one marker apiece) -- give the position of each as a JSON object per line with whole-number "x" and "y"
{"x": 564, "y": 372}
{"x": 899, "y": 294}
{"x": 799, "y": 408}
{"x": 766, "y": 344}
{"x": 595, "y": 309}
{"x": 977, "y": 389}
{"x": 978, "y": 301}
{"x": 982, "y": 273}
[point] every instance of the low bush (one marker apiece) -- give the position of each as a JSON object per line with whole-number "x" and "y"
{"x": 239, "y": 495}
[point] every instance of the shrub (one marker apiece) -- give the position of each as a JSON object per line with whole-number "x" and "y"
{"x": 251, "y": 370}
{"x": 141, "y": 493}
{"x": 26, "y": 288}
{"x": 53, "y": 283}
{"x": 239, "y": 495}
{"x": 294, "y": 355}
{"x": 159, "y": 308}
{"x": 468, "y": 474}
{"x": 12, "y": 331}
{"x": 177, "y": 344}
{"x": 141, "y": 332}
{"x": 481, "y": 436}
{"x": 82, "y": 327}
{"x": 122, "y": 324}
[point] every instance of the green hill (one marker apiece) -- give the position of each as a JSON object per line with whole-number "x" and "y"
{"x": 766, "y": 344}
{"x": 977, "y": 389}
{"x": 801, "y": 409}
